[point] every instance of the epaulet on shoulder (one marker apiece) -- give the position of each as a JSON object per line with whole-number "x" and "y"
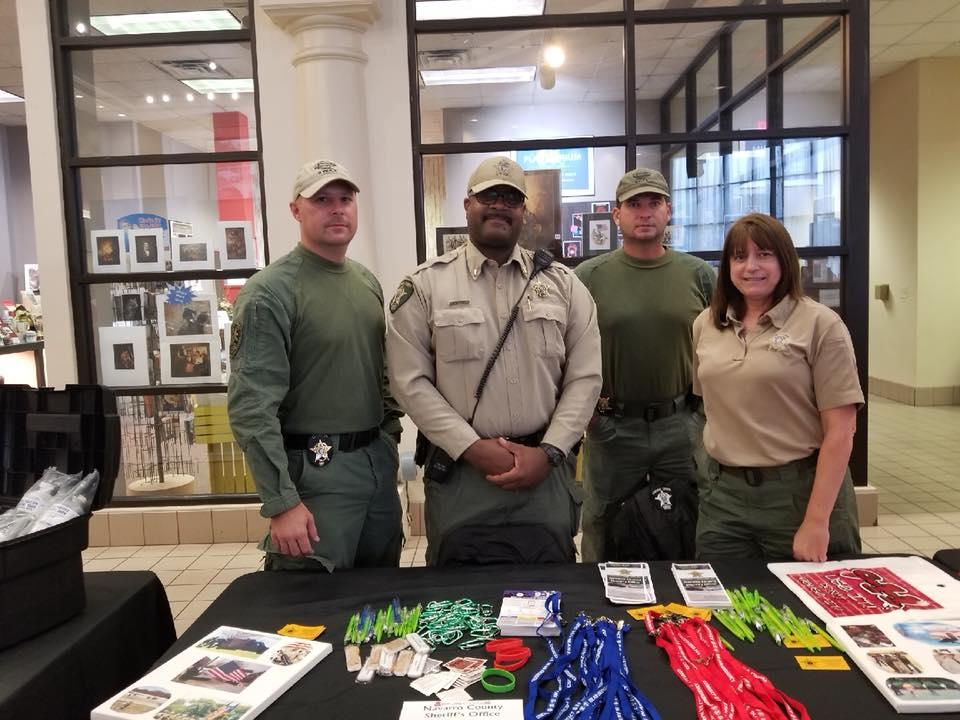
{"x": 444, "y": 259}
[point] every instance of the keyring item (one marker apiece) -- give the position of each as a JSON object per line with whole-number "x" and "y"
{"x": 497, "y": 687}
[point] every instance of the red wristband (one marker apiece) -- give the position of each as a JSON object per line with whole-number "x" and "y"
{"x": 503, "y": 644}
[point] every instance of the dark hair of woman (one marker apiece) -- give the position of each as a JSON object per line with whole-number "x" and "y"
{"x": 767, "y": 233}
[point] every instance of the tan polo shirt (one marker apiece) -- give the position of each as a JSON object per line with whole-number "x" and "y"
{"x": 441, "y": 332}
{"x": 763, "y": 391}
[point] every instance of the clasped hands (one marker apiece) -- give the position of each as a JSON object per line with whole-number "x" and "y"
{"x": 508, "y": 465}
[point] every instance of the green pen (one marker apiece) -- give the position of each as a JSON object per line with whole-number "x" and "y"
{"x": 350, "y": 628}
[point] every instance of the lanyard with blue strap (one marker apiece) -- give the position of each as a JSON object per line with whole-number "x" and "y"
{"x": 590, "y": 677}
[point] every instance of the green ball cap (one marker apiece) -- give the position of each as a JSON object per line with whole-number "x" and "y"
{"x": 641, "y": 180}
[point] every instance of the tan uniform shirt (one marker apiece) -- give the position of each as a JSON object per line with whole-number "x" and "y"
{"x": 440, "y": 338}
{"x": 763, "y": 391}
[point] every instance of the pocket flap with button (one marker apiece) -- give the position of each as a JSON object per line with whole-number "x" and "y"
{"x": 543, "y": 311}
{"x": 551, "y": 322}
{"x": 459, "y": 333}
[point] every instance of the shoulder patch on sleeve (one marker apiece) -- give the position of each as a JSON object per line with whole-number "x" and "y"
{"x": 402, "y": 294}
{"x": 236, "y": 337}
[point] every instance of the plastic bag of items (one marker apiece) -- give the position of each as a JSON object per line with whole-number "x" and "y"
{"x": 55, "y": 498}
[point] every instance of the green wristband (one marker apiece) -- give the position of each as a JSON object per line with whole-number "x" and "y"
{"x": 505, "y": 687}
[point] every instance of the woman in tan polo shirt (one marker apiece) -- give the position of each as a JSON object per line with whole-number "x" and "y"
{"x": 778, "y": 378}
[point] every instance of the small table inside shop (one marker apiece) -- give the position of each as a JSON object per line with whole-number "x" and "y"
{"x": 267, "y": 601}
{"x": 65, "y": 672}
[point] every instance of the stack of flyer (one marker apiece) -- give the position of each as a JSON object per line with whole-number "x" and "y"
{"x": 231, "y": 674}
{"x": 898, "y": 618}
{"x": 524, "y": 613}
{"x": 627, "y": 583}
{"x": 700, "y": 585}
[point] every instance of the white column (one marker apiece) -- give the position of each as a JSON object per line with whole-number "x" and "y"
{"x": 330, "y": 103}
{"x": 44, "y": 147}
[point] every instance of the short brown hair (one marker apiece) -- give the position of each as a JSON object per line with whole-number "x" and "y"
{"x": 768, "y": 233}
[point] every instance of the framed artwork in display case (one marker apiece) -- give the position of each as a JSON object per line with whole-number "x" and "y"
{"x": 190, "y": 362}
{"x": 129, "y": 306}
{"x": 572, "y": 249}
{"x": 147, "y": 251}
{"x": 108, "y": 251}
{"x": 123, "y": 355}
{"x": 235, "y": 245}
{"x": 190, "y": 253}
{"x": 195, "y": 319}
{"x": 599, "y": 233}
{"x": 541, "y": 216}
{"x": 450, "y": 238}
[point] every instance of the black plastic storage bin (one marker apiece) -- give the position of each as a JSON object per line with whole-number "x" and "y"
{"x": 75, "y": 429}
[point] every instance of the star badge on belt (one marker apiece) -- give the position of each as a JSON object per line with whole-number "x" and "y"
{"x": 321, "y": 451}
{"x": 539, "y": 289}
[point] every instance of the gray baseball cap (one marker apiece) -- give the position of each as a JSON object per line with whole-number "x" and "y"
{"x": 641, "y": 180}
{"x": 497, "y": 170}
{"x": 319, "y": 173}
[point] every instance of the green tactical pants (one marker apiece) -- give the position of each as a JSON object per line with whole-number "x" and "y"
{"x": 355, "y": 505}
{"x": 759, "y": 520}
{"x": 466, "y": 497}
{"x": 618, "y": 455}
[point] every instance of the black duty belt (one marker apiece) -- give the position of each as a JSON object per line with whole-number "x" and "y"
{"x": 650, "y": 413}
{"x": 344, "y": 442}
{"x": 531, "y": 440}
{"x": 755, "y": 476}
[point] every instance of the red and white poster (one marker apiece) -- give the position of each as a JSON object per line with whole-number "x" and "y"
{"x": 850, "y": 591}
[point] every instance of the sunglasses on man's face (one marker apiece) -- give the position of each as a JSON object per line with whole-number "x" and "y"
{"x": 508, "y": 196}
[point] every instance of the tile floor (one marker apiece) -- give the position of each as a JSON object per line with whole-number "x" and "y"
{"x": 914, "y": 460}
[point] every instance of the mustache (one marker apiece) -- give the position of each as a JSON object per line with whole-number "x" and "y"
{"x": 498, "y": 216}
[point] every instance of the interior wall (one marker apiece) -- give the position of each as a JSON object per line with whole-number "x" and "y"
{"x": 938, "y": 247}
{"x": 17, "y": 241}
{"x": 894, "y": 130}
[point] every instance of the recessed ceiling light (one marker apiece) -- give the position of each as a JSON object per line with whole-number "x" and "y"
{"x": 458, "y": 9}
{"x": 99, "y": 107}
{"x": 212, "y": 65}
{"x": 121, "y": 114}
{"x": 554, "y": 56}
{"x": 149, "y": 99}
{"x": 165, "y": 97}
{"x": 234, "y": 96}
{"x": 221, "y": 85}
{"x": 473, "y": 119}
{"x": 189, "y": 97}
{"x": 81, "y": 28}
{"x": 78, "y": 96}
{"x": 6, "y": 97}
{"x": 167, "y": 22}
{"x": 210, "y": 96}
{"x": 478, "y": 76}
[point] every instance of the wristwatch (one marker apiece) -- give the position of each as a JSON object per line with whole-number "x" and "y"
{"x": 555, "y": 455}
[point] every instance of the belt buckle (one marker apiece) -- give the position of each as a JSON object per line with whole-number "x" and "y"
{"x": 322, "y": 449}
{"x": 753, "y": 477}
{"x": 651, "y": 413}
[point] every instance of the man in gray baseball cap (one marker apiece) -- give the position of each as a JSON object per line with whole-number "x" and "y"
{"x": 645, "y": 430}
{"x": 307, "y": 399}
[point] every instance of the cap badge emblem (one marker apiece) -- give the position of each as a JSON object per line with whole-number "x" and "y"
{"x": 324, "y": 167}
{"x": 503, "y": 168}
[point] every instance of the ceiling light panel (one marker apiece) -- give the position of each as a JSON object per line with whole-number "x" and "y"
{"x": 6, "y": 97}
{"x": 479, "y": 76}
{"x": 459, "y": 9}
{"x": 226, "y": 85}
{"x": 169, "y": 22}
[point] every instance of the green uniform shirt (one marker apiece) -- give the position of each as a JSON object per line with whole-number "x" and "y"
{"x": 645, "y": 310}
{"x": 307, "y": 356}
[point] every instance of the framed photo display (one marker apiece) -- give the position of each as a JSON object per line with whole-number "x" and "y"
{"x": 599, "y": 233}
{"x": 235, "y": 245}
{"x": 108, "y": 251}
{"x": 572, "y": 249}
{"x": 190, "y": 362}
{"x": 123, "y": 355}
{"x": 196, "y": 319}
{"x": 190, "y": 253}
{"x": 450, "y": 238}
{"x": 147, "y": 251}
{"x": 129, "y": 306}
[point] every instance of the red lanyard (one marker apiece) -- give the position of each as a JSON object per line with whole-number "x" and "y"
{"x": 723, "y": 687}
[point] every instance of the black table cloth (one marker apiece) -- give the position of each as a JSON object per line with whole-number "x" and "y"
{"x": 67, "y": 671}
{"x": 266, "y": 601}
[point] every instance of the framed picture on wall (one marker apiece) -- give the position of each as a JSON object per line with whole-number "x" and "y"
{"x": 129, "y": 306}
{"x": 123, "y": 356}
{"x": 147, "y": 251}
{"x": 572, "y": 249}
{"x": 541, "y": 217}
{"x": 450, "y": 238}
{"x": 190, "y": 362}
{"x": 107, "y": 251}
{"x": 599, "y": 233}
{"x": 235, "y": 245}
{"x": 600, "y": 207}
{"x": 196, "y": 319}
{"x": 190, "y": 253}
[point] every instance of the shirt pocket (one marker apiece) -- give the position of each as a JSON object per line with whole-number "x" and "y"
{"x": 458, "y": 333}
{"x": 544, "y": 328}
